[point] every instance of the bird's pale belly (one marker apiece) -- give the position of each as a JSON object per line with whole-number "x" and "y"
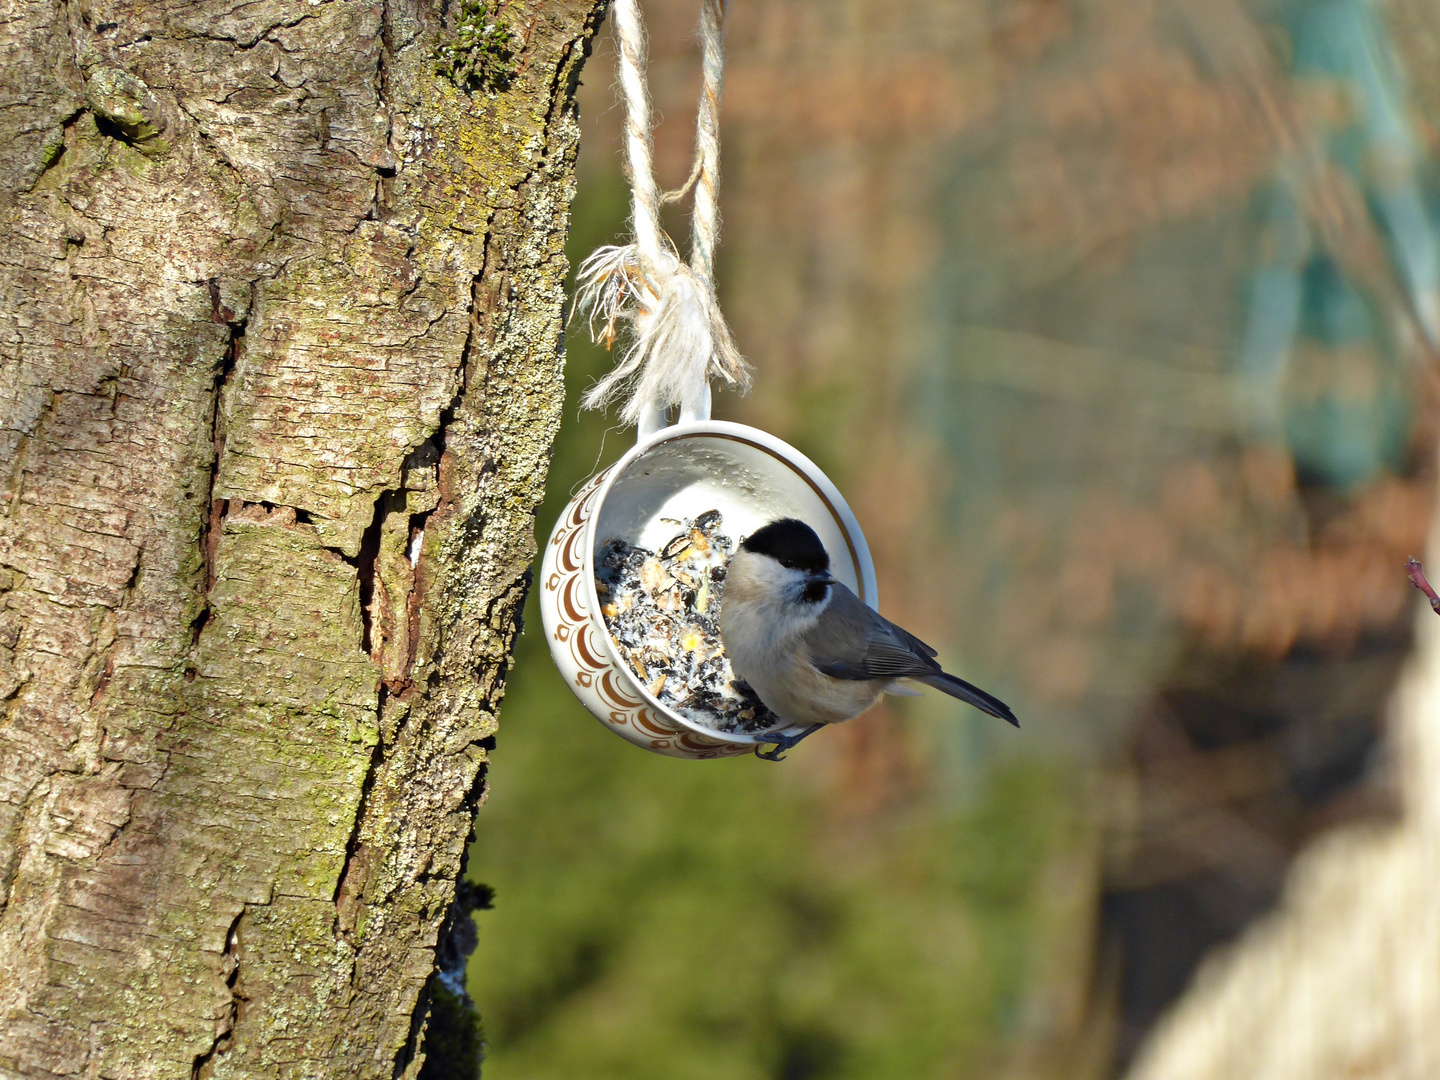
{"x": 800, "y": 694}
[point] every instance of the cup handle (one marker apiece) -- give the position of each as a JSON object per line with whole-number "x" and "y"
{"x": 691, "y": 412}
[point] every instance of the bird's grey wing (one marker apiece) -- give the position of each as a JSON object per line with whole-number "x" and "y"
{"x": 853, "y": 641}
{"x": 915, "y": 642}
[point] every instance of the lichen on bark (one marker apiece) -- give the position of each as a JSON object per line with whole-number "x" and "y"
{"x": 279, "y": 374}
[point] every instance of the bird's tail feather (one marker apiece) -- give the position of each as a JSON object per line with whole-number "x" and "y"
{"x": 959, "y": 688}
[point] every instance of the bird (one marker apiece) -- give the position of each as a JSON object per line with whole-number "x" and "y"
{"x": 809, "y": 648}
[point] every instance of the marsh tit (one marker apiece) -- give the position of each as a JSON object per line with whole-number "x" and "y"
{"x": 806, "y": 644}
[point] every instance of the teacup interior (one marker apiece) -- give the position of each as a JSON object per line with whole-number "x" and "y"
{"x": 750, "y": 484}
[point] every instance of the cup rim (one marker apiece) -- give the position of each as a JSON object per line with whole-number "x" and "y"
{"x": 828, "y": 493}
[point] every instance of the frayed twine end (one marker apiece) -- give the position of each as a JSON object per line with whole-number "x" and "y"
{"x": 678, "y": 339}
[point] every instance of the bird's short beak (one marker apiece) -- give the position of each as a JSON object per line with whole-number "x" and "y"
{"x": 822, "y": 578}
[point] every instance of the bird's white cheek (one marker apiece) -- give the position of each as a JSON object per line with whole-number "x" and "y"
{"x": 759, "y": 623}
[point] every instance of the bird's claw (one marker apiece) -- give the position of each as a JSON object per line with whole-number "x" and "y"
{"x": 783, "y": 743}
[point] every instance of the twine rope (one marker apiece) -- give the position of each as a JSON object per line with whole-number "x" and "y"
{"x": 677, "y": 338}
{"x": 705, "y": 214}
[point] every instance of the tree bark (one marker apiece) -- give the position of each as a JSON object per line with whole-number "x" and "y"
{"x": 279, "y": 374}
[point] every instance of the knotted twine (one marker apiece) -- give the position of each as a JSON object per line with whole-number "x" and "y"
{"x": 677, "y": 337}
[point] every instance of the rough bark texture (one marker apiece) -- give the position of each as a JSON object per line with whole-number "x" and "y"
{"x": 278, "y": 380}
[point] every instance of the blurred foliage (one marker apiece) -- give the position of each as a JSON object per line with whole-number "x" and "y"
{"x": 660, "y": 918}
{"x": 1111, "y": 322}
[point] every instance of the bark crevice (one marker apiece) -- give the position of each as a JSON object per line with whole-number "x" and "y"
{"x": 350, "y": 886}
{"x": 365, "y": 565}
{"x": 204, "y": 1063}
{"x": 216, "y": 509}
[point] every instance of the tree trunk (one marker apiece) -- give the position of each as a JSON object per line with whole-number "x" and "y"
{"x": 282, "y": 286}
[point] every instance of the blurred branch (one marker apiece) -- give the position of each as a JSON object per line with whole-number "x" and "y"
{"x": 1417, "y": 578}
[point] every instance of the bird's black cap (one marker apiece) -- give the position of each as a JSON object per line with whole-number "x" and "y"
{"x": 792, "y": 543}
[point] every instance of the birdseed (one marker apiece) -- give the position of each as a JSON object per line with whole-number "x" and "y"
{"x": 662, "y": 613}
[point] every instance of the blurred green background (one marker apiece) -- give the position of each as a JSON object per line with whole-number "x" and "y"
{"x": 1113, "y": 321}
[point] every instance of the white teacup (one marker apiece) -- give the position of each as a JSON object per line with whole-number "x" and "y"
{"x": 679, "y": 472}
